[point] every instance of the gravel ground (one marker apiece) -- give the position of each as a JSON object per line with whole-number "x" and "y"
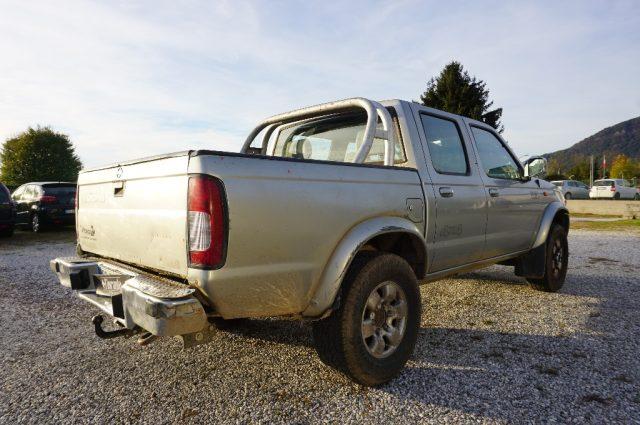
{"x": 490, "y": 350}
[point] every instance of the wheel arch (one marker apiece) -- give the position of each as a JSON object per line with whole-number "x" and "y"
{"x": 555, "y": 212}
{"x": 395, "y": 235}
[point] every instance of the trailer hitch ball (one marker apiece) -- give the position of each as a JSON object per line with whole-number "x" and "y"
{"x": 101, "y": 333}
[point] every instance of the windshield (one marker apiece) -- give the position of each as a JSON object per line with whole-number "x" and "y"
{"x": 610, "y": 183}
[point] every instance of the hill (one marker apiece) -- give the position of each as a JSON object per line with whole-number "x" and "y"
{"x": 622, "y": 138}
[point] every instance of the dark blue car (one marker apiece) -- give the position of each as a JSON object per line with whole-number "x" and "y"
{"x": 7, "y": 212}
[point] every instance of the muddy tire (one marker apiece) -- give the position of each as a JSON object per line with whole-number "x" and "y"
{"x": 373, "y": 332}
{"x": 556, "y": 261}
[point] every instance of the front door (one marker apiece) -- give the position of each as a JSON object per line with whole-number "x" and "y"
{"x": 461, "y": 211}
{"x": 515, "y": 205}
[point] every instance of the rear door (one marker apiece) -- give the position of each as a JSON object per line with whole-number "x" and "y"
{"x": 64, "y": 195}
{"x": 514, "y": 205}
{"x": 461, "y": 206}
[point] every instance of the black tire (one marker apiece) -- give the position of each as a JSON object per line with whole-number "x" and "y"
{"x": 339, "y": 338}
{"x": 34, "y": 224}
{"x": 616, "y": 196}
{"x": 637, "y": 197}
{"x": 567, "y": 196}
{"x": 556, "y": 261}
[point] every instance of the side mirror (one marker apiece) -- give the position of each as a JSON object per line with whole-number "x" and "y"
{"x": 535, "y": 167}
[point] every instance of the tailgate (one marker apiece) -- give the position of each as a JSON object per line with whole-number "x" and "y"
{"x": 136, "y": 212}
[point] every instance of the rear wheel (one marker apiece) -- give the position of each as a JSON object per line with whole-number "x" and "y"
{"x": 556, "y": 261}
{"x": 371, "y": 335}
{"x": 567, "y": 195}
{"x": 637, "y": 197}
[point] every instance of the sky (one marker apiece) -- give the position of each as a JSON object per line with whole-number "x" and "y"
{"x": 126, "y": 79}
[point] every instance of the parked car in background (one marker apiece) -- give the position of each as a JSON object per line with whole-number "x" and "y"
{"x": 43, "y": 204}
{"x": 614, "y": 189}
{"x": 7, "y": 212}
{"x": 572, "y": 189}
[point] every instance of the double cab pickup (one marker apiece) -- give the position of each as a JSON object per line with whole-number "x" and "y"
{"x": 332, "y": 214}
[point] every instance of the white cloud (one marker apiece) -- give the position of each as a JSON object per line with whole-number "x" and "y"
{"x": 132, "y": 79}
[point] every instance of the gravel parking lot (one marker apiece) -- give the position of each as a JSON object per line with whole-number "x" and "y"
{"x": 490, "y": 350}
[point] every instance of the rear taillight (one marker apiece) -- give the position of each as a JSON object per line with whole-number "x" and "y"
{"x": 48, "y": 199}
{"x": 613, "y": 188}
{"x": 75, "y": 198}
{"x": 207, "y": 222}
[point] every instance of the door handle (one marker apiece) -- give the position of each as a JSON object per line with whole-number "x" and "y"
{"x": 446, "y": 192}
{"x": 493, "y": 192}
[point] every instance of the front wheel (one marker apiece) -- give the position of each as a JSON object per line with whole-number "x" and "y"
{"x": 616, "y": 196}
{"x": 637, "y": 197}
{"x": 371, "y": 335}
{"x": 567, "y": 196}
{"x": 556, "y": 261}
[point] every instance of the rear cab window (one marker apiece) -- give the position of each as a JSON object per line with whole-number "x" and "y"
{"x": 334, "y": 138}
{"x": 445, "y": 145}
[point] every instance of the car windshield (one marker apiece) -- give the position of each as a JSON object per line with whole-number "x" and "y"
{"x": 557, "y": 183}
{"x": 609, "y": 183}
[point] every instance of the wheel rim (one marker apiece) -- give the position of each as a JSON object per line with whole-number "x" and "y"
{"x": 557, "y": 257}
{"x": 35, "y": 223}
{"x": 384, "y": 319}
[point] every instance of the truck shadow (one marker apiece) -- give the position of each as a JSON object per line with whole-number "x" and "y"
{"x": 580, "y": 369}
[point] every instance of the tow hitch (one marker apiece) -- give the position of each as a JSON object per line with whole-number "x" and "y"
{"x": 101, "y": 333}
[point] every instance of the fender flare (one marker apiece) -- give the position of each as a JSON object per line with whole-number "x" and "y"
{"x": 548, "y": 218}
{"x": 334, "y": 271}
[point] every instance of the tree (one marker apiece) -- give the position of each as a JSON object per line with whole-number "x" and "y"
{"x": 623, "y": 167}
{"x": 38, "y": 154}
{"x": 456, "y": 92}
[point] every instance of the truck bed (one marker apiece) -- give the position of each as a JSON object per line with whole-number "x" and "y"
{"x": 286, "y": 217}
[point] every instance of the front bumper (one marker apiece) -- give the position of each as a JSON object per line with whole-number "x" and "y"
{"x": 135, "y": 300}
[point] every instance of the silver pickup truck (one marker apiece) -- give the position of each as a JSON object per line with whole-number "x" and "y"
{"x": 332, "y": 214}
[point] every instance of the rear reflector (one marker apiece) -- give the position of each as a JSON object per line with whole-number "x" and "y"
{"x": 207, "y": 222}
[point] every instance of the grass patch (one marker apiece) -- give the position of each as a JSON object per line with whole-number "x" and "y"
{"x": 621, "y": 225}
{"x": 589, "y": 215}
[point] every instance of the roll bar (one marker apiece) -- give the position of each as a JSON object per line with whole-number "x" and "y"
{"x": 372, "y": 108}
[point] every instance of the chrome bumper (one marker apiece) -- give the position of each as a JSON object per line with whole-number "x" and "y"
{"x": 159, "y": 306}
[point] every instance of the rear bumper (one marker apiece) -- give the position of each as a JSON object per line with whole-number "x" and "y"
{"x": 159, "y": 306}
{"x": 57, "y": 216}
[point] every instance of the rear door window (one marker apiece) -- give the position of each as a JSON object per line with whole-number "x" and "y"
{"x": 445, "y": 146}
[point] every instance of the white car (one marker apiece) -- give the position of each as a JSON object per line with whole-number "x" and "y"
{"x": 572, "y": 189}
{"x": 614, "y": 189}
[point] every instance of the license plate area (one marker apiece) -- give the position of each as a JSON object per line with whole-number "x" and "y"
{"x": 108, "y": 285}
